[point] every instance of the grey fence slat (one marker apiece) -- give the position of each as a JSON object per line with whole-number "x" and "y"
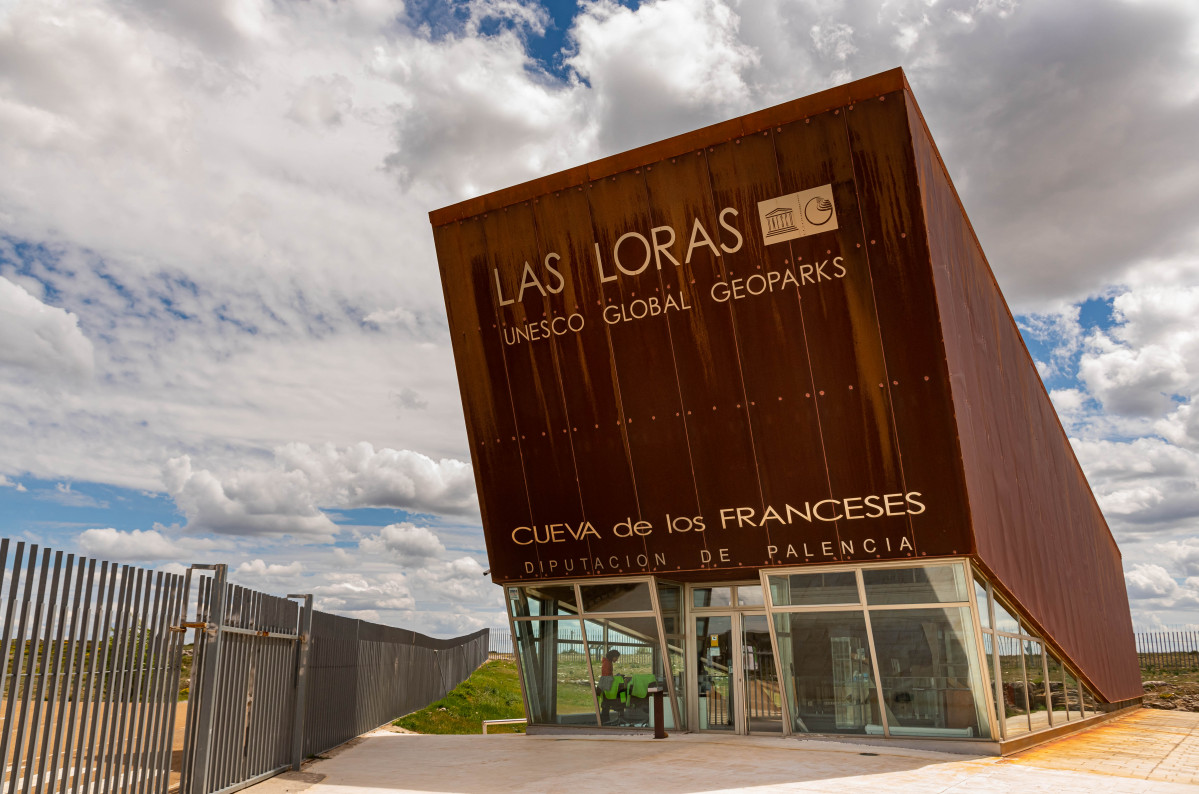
{"x": 68, "y": 659}
{"x": 9, "y": 684}
{"x": 51, "y": 657}
{"x": 187, "y": 771}
{"x": 11, "y": 712}
{"x": 171, "y": 693}
{"x": 32, "y": 656}
{"x": 145, "y": 681}
{"x": 162, "y": 676}
{"x": 102, "y": 648}
{"x": 129, "y": 702}
{"x": 113, "y": 654}
{"x": 86, "y": 722}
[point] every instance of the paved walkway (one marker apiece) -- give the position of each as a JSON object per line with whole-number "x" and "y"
{"x": 1153, "y": 752}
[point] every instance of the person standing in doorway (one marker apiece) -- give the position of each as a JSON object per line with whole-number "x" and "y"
{"x": 609, "y": 660}
{"x": 608, "y": 692}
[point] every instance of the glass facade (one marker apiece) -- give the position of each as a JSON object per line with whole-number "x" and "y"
{"x": 828, "y": 672}
{"x": 590, "y": 655}
{"x": 1034, "y": 690}
{"x": 920, "y": 650}
{"x": 929, "y": 672}
{"x": 899, "y": 657}
{"x": 556, "y": 673}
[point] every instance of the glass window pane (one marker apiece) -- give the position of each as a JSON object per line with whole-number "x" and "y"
{"x": 712, "y": 597}
{"x": 1034, "y": 672}
{"x": 1057, "y": 690}
{"x": 988, "y": 651}
{"x": 980, "y": 595}
{"x": 804, "y": 589}
{"x": 1012, "y": 687}
{"x": 542, "y": 601}
{"x": 617, "y": 597}
{"x": 1073, "y": 699}
{"x": 761, "y": 687}
{"x": 1005, "y": 620}
{"x": 714, "y": 643}
{"x": 927, "y": 584}
{"x": 827, "y": 672}
{"x": 750, "y": 595}
{"x": 556, "y": 675}
{"x": 1090, "y": 705}
{"x": 670, "y": 600}
{"x": 932, "y": 682}
{"x": 627, "y": 658}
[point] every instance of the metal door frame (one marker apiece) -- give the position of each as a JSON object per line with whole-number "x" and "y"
{"x": 736, "y": 675}
{"x": 732, "y": 610}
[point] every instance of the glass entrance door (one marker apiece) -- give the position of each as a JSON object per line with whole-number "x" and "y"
{"x": 716, "y": 673}
{"x": 760, "y": 680}
{"x": 737, "y": 683}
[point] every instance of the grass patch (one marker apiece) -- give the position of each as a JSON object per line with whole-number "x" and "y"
{"x": 491, "y": 693}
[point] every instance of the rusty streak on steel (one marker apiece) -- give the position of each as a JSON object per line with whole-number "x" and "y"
{"x": 888, "y": 370}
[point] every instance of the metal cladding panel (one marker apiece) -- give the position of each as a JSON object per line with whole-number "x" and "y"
{"x": 1038, "y": 530}
{"x": 671, "y": 361}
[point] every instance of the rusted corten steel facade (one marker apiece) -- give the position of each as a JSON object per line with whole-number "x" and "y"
{"x": 1038, "y": 531}
{"x": 769, "y": 342}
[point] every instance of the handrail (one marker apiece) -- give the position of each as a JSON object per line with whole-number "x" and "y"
{"x": 512, "y": 721}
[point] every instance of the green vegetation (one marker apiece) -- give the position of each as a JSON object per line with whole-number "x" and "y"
{"x": 491, "y": 693}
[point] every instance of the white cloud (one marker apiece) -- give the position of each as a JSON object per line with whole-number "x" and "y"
{"x": 246, "y": 503}
{"x": 409, "y": 399}
{"x": 42, "y": 338}
{"x": 322, "y": 101}
{"x": 660, "y": 70}
{"x": 66, "y": 496}
{"x": 7, "y": 483}
{"x": 1151, "y": 587}
{"x": 1068, "y": 402}
{"x": 253, "y": 571}
{"x": 1143, "y": 485}
{"x": 353, "y": 594}
{"x": 408, "y": 542}
{"x": 456, "y": 581}
{"x": 361, "y": 476}
{"x": 1060, "y": 329}
{"x": 1183, "y": 555}
{"x": 287, "y": 499}
{"x": 1147, "y": 366}
{"x": 148, "y": 545}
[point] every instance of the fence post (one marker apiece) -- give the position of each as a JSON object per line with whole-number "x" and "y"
{"x": 208, "y": 679}
{"x": 297, "y": 737}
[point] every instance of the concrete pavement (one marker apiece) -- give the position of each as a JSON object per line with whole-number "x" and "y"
{"x": 1147, "y": 751}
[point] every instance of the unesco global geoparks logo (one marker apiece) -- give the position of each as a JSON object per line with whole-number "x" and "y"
{"x": 798, "y": 214}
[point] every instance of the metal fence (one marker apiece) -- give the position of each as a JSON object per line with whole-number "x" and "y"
{"x": 357, "y": 678}
{"x": 91, "y": 673}
{"x": 90, "y": 686}
{"x": 501, "y": 644}
{"x": 1168, "y": 651}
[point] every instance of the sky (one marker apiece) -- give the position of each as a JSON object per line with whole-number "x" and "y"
{"x": 222, "y": 336}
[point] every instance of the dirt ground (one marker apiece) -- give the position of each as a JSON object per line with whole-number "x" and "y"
{"x": 50, "y": 715}
{"x": 1174, "y": 693}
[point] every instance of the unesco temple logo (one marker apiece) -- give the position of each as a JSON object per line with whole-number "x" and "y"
{"x": 798, "y": 214}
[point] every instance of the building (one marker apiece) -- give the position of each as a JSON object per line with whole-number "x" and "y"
{"x": 747, "y": 406}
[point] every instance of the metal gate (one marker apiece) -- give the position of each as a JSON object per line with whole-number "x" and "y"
{"x": 247, "y": 681}
{"x": 90, "y": 678}
{"x": 92, "y": 656}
